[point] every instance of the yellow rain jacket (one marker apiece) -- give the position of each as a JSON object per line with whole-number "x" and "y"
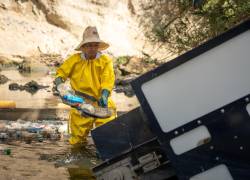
{"x": 89, "y": 77}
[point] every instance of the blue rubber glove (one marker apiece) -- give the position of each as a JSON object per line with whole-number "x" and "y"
{"x": 58, "y": 80}
{"x": 103, "y": 101}
{"x": 56, "y": 83}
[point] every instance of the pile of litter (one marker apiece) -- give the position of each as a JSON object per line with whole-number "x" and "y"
{"x": 32, "y": 131}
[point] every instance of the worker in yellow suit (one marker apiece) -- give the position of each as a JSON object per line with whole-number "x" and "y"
{"x": 91, "y": 76}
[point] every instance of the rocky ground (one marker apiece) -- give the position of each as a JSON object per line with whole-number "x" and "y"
{"x": 36, "y": 161}
{"x": 24, "y": 162}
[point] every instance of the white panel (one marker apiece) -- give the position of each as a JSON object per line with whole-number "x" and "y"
{"x": 248, "y": 109}
{"x": 197, "y": 87}
{"x": 219, "y": 172}
{"x": 190, "y": 140}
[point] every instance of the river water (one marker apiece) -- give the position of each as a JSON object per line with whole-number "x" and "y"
{"x": 43, "y": 98}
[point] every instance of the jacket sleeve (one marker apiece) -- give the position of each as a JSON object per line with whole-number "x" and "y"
{"x": 66, "y": 68}
{"x": 108, "y": 75}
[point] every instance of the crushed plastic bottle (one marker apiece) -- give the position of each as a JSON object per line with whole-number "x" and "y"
{"x": 18, "y": 135}
{"x": 39, "y": 137}
{"x": 65, "y": 89}
{"x": 73, "y": 99}
{"x": 34, "y": 129}
{"x": 55, "y": 137}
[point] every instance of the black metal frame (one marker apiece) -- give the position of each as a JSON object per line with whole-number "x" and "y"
{"x": 122, "y": 134}
{"x": 229, "y": 127}
{"x": 188, "y": 164}
{"x": 165, "y": 171}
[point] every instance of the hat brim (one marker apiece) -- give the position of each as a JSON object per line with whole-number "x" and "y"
{"x": 102, "y": 45}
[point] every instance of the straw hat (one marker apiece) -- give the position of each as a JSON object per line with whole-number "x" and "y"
{"x": 90, "y": 34}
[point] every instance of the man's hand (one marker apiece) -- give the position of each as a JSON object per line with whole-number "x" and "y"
{"x": 61, "y": 88}
{"x": 103, "y": 101}
{"x": 58, "y": 81}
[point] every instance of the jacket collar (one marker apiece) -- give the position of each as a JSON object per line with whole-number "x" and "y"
{"x": 97, "y": 55}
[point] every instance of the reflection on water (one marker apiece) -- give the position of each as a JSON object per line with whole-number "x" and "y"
{"x": 80, "y": 168}
{"x": 81, "y": 173}
{"x": 41, "y": 99}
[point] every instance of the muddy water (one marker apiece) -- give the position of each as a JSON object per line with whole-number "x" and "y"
{"x": 80, "y": 173}
{"x": 43, "y": 98}
{"x": 83, "y": 170}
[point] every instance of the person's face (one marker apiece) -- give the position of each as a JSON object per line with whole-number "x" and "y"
{"x": 90, "y": 49}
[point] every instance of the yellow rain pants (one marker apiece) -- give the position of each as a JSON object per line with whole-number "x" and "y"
{"x": 89, "y": 77}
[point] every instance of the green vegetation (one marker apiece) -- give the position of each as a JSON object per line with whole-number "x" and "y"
{"x": 183, "y": 27}
{"x": 122, "y": 59}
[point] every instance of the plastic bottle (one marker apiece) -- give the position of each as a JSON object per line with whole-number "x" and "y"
{"x": 5, "y": 151}
{"x": 64, "y": 89}
{"x": 18, "y": 135}
{"x": 69, "y": 95}
{"x": 34, "y": 129}
{"x": 73, "y": 99}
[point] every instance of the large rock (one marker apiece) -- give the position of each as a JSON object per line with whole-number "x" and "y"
{"x": 29, "y": 34}
{"x": 56, "y": 26}
{"x": 112, "y": 18}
